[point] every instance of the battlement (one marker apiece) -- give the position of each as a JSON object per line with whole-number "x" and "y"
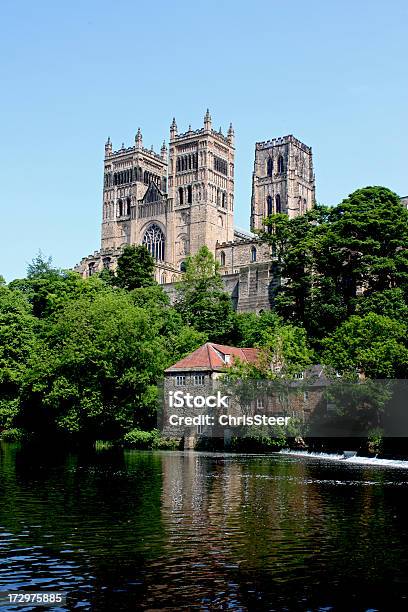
{"x": 131, "y": 150}
{"x": 275, "y": 142}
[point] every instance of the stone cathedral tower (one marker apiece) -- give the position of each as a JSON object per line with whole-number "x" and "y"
{"x": 283, "y": 179}
{"x": 201, "y": 188}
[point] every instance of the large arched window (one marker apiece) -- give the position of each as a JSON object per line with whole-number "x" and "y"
{"x": 120, "y": 209}
{"x": 253, "y": 254}
{"x": 128, "y": 206}
{"x": 189, "y": 195}
{"x": 180, "y": 192}
{"x": 269, "y": 209}
{"x": 278, "y": 203}
{"x": 269, "y": 166}
{"x": 281, "y": 166}
{"x": 154, "y": 241}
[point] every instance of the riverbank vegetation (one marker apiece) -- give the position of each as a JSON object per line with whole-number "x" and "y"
{"x": 82, "y": 357}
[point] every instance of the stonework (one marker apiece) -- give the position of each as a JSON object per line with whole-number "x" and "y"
{"x": 179, "y": 200}
{"x": 283, "y": 180}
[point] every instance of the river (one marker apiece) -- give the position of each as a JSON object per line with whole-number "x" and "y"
{"x": 127, "y": 530}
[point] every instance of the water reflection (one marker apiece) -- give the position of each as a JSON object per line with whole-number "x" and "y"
{"x": 132, "y": 530}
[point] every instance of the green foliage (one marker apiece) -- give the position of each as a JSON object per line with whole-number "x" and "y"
{"x": 14, "y": 434}
{"x": 17, "y": 341}
{"x": 373, "y": 344}
{"x": 96, "y": 369}
{"x": 135, "y": 268}
{"x": 48, "y": 289}
{"x": 201, "y": 300}
{"x": 148, "y": 440}
{"x": 390, "y": 303}
{"x": 255, "y": 330}
{"x": 328, "y": 255}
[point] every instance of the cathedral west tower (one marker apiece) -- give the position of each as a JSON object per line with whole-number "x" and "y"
{"x": 201, "y": 188}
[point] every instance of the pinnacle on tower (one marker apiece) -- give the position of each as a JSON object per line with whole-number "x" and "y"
{"x": 163, "y": 150}
{"x": 231, "y": 134}
{"x": 173, "y": 128}
{"x": 207, "y": 120}
{"x": 139, "y": 139}
{"x": 108, "y": 147}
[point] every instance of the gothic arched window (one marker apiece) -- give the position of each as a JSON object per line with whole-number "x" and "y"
{"x": 189, "y": 195}
{"x": 154, "y": 241}
{"x": 180, "y": 192}
{"x": 269, "y": 166}
{"x": 183, "y": 266}
{"x": 128, "y": 206}
{"x": 281, "y": 167}
{"x": 269, "y": 209}
{"x": 278, "y": 203}
{"x": 224, "y": 200}
{"x": 222, "y": 258}
{"x": 120, "y": 208}
{"x": 253, "y": 254}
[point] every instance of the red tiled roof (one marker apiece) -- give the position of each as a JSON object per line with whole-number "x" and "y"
{"x": 212, "y": 356}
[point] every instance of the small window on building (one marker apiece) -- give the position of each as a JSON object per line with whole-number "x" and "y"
{"x": 189, "y": 195}
{"x": 199, "y": 380}
{"x": 269, "y": 166}
{"x": 253, "y": 254}
{"x": 120, "y": 208}
{"x": 181, "y": 196}
{"x": 183, "y": 266}
{"x": 222, "y": 258}
{"x": 269, "y": 209}
{"x": 259, "y": 402}
{"x": 180, "y": 381}
{"x": 281, "y": 166}
{"x": 278, "y": 204}
{"x": 91, "y": 268}
{"x": 299, "y": 375}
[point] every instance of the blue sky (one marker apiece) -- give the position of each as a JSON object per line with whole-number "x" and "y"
{"x": 332, "y": 73}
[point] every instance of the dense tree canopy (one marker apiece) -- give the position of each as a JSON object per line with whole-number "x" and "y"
{"x": 135, "y": 268}
{"x": 201, "y": 299}
{"x": 84, "y": 356}
{"x": 334, "y": 260}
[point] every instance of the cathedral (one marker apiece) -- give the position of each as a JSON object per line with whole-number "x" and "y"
{"x": 182, "y": 198}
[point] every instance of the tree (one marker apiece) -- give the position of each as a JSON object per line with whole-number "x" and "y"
{"x": 251, "y": 329}
{"x": 373, "y": 344}
{"x": 135, "y": 268}
{"x": 17, "y": 341}
{"x": 390, "y": 303}
{"x": 48, "y": 289}
{"x": 201, "y": 300}
{"x": 328, "y": 256}
{"x": 97, "y": 363}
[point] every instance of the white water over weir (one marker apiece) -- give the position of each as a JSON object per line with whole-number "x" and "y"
{"x": 371, "y": 461}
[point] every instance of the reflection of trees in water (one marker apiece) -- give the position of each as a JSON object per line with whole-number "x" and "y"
{"x": 150, "y": 530}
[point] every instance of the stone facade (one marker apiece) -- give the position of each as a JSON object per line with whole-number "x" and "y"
{"x": 283, "y": 179}
{"x": 179, "y": 200}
